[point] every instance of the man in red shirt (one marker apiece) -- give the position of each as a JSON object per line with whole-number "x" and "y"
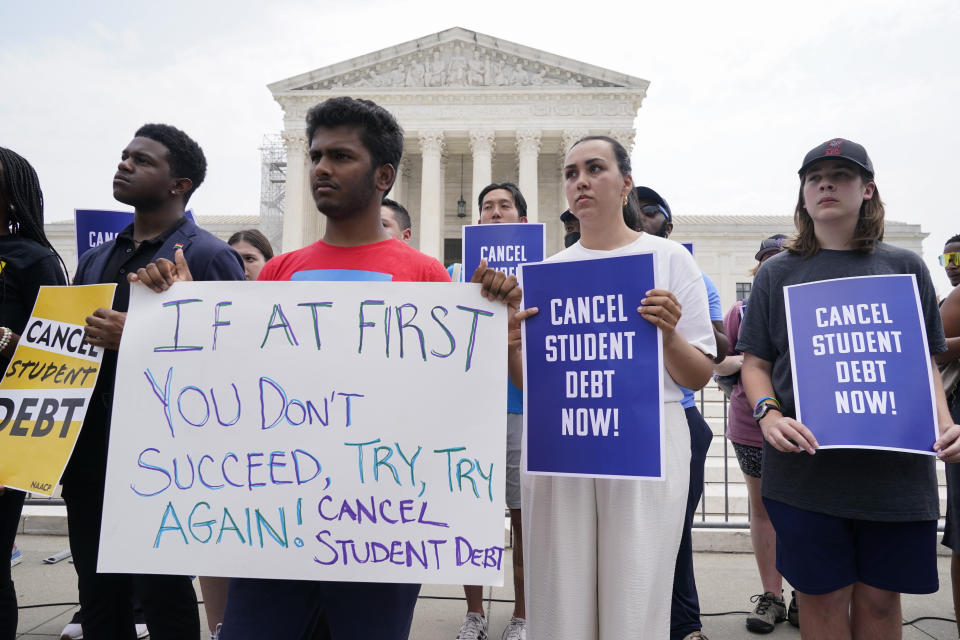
{"x": 355, "y": 147}
{"x": 352, "y": 168}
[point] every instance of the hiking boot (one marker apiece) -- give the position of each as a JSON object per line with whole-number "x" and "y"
{"x": 473, "y": 627}
{"x": 793, "y": 611}
{"x": 769, "y": 611}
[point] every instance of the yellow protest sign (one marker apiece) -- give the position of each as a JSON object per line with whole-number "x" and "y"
{"x": 47, "y": 387}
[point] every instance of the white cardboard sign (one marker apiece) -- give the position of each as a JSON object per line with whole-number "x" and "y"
{"x": 309, "y": 430}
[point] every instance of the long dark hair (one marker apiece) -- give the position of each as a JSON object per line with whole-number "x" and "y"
{"x": 255, "y": 239}
{"x": 20, "y": 189}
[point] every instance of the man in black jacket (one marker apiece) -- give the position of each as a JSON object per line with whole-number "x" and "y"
{"x": 158, "y": 171}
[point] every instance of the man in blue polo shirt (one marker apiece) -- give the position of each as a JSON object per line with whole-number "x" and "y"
{"x": 657, "y": 219}
{"x": 503, "y": 203}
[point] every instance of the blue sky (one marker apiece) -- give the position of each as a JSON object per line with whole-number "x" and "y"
{"x": 739, "y": 90}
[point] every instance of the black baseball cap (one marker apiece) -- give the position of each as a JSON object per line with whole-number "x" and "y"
{"x": 646, "y": 193}
{"x": 838, "y": 148}
{"x": 771, "y": 245}
{"x": 566, "y": 216}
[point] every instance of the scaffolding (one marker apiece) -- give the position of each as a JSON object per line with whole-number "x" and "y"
{"x": 273, "y": 180}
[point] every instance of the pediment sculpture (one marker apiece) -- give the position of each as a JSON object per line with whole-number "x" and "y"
{"x": 456, "y": 65}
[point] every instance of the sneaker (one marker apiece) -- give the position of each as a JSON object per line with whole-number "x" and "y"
{"x": 16, "y": 557}
{"x": 73, "y": 631}
{"x": 696, "y": 635}
{"x": 516, "y": 630}
{"x": 769, "y": 611}
{"x": 793, "y": 611}
{"x": 474, "y": 627}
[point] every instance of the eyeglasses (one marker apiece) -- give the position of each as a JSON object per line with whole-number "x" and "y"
{"x": 952, "y": 258}
{"x": 651, "y": 211}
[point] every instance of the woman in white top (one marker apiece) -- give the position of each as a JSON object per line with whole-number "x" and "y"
{"x": 599, "y": 553}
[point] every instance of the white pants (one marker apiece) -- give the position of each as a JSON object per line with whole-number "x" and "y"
{"x": 599, "y": 554}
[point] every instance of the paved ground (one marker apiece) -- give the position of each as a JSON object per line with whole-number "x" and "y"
{"x": 726, "y": 582}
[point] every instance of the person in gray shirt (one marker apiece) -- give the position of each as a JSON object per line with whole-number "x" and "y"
{"x": 855, "y": 527}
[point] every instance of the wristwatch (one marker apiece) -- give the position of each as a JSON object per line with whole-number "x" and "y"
{"x": 762, "y": 409}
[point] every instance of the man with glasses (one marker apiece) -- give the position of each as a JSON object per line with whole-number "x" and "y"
{"x": 950, "y": 260}
{"x": 657, "y": 219}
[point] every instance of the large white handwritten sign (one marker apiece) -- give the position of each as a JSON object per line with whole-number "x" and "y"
{"x": 321, "y": 430}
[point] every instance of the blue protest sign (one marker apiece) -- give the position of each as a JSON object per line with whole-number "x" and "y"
{"x": 503, "y": 246}
{"x": 94, "y": 226}
{"x": 861, "y": 365}
{"x": 592, "y": 374}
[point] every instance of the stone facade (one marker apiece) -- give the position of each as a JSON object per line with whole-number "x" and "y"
{"x": 475, "y": 110}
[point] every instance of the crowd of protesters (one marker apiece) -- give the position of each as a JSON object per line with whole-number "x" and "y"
{"x": 594, "y": 558}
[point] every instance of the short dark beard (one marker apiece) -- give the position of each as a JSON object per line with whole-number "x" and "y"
{"x": 356, "y": 202}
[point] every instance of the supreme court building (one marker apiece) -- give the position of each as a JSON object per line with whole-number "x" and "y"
{"x": 475, "y": 110}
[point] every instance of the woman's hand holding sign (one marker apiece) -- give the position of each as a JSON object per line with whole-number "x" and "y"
{"x": 687, "y": 365}
{"x": 661, "y": 309}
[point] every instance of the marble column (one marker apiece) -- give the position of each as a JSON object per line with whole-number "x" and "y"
{"x": 569, "y": 136}
{"x": 431, "y": 203}
{"x": 528, "y": 150}
{"x": 442, "y": 199}
{"x": 299, "y": 211}
{"x": 482, "y": 145}
{"x": 624, "y": 137}
{"x": 398, "y": 192}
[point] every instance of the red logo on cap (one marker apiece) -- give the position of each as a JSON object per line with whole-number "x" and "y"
{"x": 833, "y": 148}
